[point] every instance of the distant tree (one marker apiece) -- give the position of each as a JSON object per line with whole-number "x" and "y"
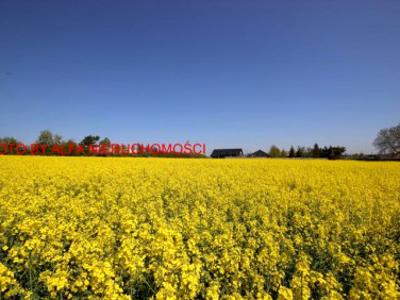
{"x": 8, "y": 140}
{"x": 70, "y": 141}
{"x": 284, "y": 153}
{"x": 316, "y": 151}
{"x": 68, "y": 146}
{"x": 336, "y": 152}
{"x": 5, "y": 143}
{"x": 307, "y": 152}
{"x": 292, "y": 153}
{"x": 324, "y": 152}
{"x": 300, "y": 152}
{"x": 90, "y": 140}
{"x": 333, "y": 152}
{"x": 57, "y": 139}
{"x": 45, "y": 137}
{"x": 388, "y": 141}
{"x": 105, "y": 141}
{"x": 104, "y": 146}
{"x": 274, "y": 151}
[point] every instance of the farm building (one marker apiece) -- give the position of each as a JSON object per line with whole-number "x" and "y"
{"x": 259, "y": 153}
{"x": 222, "y": 153}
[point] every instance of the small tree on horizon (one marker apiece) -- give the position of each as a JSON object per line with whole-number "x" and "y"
{"x": 274, "y": 151}
{"x": 57, "y": 139}
{"x": 45, "y": 138}
{"x": 90, "y": 140}
{"x": 292, "y": 153}
{"x": 300, "y": 152}
{"x": 8, "y": 140}
{"x": 316, "y": 151}
{"x": 105, "y": 141}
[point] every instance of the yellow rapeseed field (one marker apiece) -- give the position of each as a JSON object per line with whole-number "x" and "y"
{"x": 138, "y": 228}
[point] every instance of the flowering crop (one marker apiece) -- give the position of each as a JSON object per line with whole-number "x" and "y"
{"x": 122, "y": 228}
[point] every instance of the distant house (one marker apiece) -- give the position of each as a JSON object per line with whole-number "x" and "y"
{"x": 259, "y": 153}
{"x": 222, "y": 153}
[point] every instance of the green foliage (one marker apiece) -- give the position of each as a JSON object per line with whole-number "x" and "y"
{"x": 105, "y": 141}
{"x": 274, "y": 151}
{"x": 90, "y": 140}
{"x": 292, "y": 153}
{"x": 300, "y": 152}
{"x": 45, "y": 137}
{"x": 316, "y": 151}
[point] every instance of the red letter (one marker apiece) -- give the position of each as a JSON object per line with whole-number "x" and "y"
{"x": 71, "y": 146}
{"x": 19, "y": 151}
{"x": 56, "y": 149}
{"x": 34, "y": 149}
{"x": 166, "y": 150}
{"x": 93, "y": 149}
{"x": 124, "y": 150}
{"x": 194, "y": 149}
{"x": 181, "y": 148}
{"x": 80, "y": 149}
{"x": 43, "y": 147}
{"x": 103, "y": 150}
{"x": 11, "y": 147}
{"x": 115, "y": 148}
{"x": 188, "y": 148}
{"x": 4, "y": 148}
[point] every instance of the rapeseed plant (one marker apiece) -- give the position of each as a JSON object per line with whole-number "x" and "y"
{"x": 123, "y": 228}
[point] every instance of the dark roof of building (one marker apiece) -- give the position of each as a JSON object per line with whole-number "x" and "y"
{"x": 260, "y": 153}
{"x": 227, "y": 152}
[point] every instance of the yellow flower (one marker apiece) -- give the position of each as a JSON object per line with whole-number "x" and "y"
{"x": 123, "y": 228}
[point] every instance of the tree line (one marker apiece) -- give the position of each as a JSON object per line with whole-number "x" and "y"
{"x": 48, "y": 143}
{"x": 387, "y": 143}
{"x": 331, "y": 152}
{"x": 46, "y": 137}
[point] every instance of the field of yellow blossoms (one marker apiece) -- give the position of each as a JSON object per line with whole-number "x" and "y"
{"x": 143, "y": 228}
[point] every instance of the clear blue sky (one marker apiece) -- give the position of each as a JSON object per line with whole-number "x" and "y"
{"x": 227, "y": 73}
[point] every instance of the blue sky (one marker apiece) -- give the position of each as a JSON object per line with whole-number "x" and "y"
{"x": 226, "y": 73}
